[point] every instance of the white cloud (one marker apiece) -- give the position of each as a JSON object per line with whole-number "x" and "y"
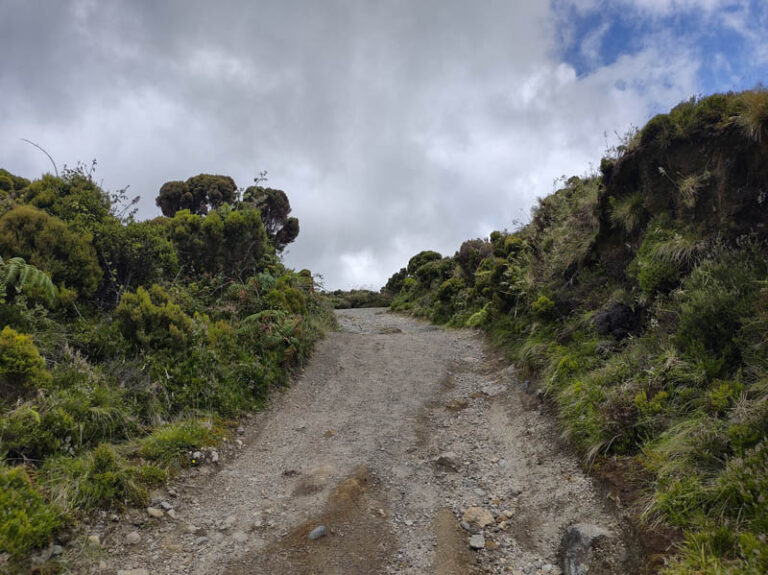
{"x": 393, "y": 127}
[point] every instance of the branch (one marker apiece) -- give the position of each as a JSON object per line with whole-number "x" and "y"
{"x": 55, "y": 169}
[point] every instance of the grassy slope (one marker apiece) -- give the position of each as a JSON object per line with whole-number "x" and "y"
{"x": 638, "y": 299}
{"x": 99, "y": 402}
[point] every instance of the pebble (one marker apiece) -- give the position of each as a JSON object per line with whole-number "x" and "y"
{"x": 171, "y": 513}
{"x": 241, "y": 430}
{"x": 165, "y": 506}
{"x": 155, "y": 512}
{"x": 318, "y": 532}
{"x": 57, "y": 550}
{"x": 477, "y": 541}
{"x": 94, "y": 539}
{"x": 240, "y": 537}
{"x": 133, "y": 572}
{"x": 214, "y": 456}
{"x": 133, "y": 538}
{"x": 201, "y": 540}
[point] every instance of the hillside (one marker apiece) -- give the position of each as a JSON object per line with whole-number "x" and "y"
{"x": 637, "y": 300}
{"x": 129, "y": 345}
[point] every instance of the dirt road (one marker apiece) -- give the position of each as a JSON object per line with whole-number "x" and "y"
{"x": 392, "y": 433}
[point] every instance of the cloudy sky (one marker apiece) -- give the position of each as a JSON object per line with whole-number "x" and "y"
{"x": 393, "y": 125}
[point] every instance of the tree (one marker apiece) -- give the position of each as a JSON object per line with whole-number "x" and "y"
{"x": 198, "y": 194}
{"x": 275, "y": 209}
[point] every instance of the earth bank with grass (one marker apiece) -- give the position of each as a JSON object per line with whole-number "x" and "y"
{"x": 636, "y": 300}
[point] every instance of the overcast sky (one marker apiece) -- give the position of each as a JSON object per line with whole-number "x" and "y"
{"x": 393, "y": 125}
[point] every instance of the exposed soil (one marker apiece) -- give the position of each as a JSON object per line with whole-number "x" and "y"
{"x": 391, "y": 433}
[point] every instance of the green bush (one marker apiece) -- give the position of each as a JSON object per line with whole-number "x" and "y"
{"x": 48, "y": 243}
{"x": 74, "y": 198}
{"x": 420, "y": 259}
{"x": 135, "y": 254}
{"x": 719, "y": 298}
{"x": 27, "y": 520}
{"x": 22, "y": 370}
{"x": 150, "y": 319}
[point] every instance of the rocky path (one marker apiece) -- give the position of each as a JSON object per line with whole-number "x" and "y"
{"x": 402, "y": 448}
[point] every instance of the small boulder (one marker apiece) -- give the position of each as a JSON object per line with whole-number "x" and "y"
{"x": 477, "y": 541}
{"x": 154, "y": 512}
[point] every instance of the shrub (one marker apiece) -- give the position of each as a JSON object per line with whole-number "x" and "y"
{"x": 22, "y": 370}
{"x": 74, "y": 198}
{"x": 543, "y": 307}
{"x": 48, "y": 243}
{"x": 27, "y": 520}
{"x": 469, "y": 256}
{"x": 226, "y": 241}
{"x": 718, "y": 298}
{"x": 135, "y": 254}
{"x": 420, "y": 259}
{"x": 150, "y": 319}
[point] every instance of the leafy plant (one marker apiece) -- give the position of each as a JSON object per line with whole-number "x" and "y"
{"x": 16, "y": 274}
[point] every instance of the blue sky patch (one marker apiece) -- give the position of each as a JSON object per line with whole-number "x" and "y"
{"x": 726, "y": 47}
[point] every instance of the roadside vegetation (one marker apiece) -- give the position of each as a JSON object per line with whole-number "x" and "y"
{"x": 637, "y": 298}
{"x": 126, "y": 345}
{"x": 340, "y": 299}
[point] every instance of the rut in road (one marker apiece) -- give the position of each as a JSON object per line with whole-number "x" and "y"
{"x": 391, "y": 433}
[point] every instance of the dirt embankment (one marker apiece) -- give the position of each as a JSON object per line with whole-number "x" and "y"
{"x": 399, "y": 445}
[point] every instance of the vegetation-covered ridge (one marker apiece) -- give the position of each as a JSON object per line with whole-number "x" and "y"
{"x": 638, "y": 299}
{"x": 126, "y": 345}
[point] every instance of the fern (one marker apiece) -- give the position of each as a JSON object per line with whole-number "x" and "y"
{"x": 16, "y": 274}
